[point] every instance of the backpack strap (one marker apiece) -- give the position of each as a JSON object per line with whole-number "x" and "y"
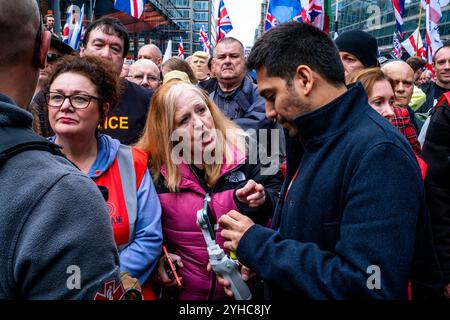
{"x": 15, "y": 140}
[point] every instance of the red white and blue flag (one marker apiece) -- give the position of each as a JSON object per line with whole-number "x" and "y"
{"x": 315, "y": 9}
{"x": 73, "y": 27}
{"x": 279, "y": 11}
{"x": 399, "y": 9}
{"x": 432, "y": 38}
{"x": 180, "y": 49}
{"x": 204, "y": 39}
{"x": 223, "y": 22}
{"x": 270, "y": 22}
{"x": 132, "y": 7}
{"x": 397, "y": 51}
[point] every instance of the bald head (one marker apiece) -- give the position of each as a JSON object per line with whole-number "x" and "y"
{"x": 145, "y": 73}
{"x": 21, "y": 19}
{"x": 151, "y": 52}
{"x": 401, "y": 76}
{"x": 23, "y": 52}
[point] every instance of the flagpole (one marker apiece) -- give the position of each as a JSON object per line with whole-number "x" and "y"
{"x": 418, "y": 33}
{"x": 336, "y": 23}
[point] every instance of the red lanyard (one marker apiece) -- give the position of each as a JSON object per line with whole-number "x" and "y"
{"x": 290, "y": 185}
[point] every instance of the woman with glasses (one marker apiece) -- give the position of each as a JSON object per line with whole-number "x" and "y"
{"x": 79, "y": 94}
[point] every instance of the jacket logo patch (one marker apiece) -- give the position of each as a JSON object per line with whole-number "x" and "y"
{"x": 111, "y": 208}
{"x": 235, "y": 177}
{"x": 110, "y": 291}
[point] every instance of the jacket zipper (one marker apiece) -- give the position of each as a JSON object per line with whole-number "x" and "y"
{"x": 212, "y": 289}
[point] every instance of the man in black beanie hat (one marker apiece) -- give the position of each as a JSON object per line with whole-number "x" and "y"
{"x": 358, "y": 50}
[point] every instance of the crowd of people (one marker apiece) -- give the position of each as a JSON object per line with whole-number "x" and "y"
{"x": 104, "y": 163}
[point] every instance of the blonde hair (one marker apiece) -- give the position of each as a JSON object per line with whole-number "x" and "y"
{"x": 368, "y": 78}
{"x": 156, "y": 139}
{"x": 200, "y": 54}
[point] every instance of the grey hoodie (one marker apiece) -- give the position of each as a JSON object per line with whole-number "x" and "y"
{"x": 56, "y": 241}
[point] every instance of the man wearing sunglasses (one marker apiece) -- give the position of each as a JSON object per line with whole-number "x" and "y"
{"x": 37, "y": 107}
{"x": 50, "y": 247}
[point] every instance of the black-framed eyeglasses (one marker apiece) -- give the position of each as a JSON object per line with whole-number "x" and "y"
{"x": 78, "y": 101}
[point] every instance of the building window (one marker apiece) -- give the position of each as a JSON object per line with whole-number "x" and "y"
{"x": 185, "y": 14}
{"x": 202, "y": 16}
{"x": 184, "y": 25}
{"x": 181, "y": 3}
{"x": 201, "y": 5}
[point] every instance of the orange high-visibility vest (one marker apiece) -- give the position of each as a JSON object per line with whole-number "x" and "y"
{"x": 122, "y": 179}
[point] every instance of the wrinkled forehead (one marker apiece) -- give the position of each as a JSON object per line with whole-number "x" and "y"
{"x": 398, "y": 71}
{"x": 145, "y": 69}
{"x": 189, "y": 98}
{"x": 229, "y": 48}
{"x": 443, "y": 54}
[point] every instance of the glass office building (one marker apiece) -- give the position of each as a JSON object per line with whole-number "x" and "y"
{"x": 377, "y": 18}
{"x": 162, "y": 20}
{"x": 191, "y": 15}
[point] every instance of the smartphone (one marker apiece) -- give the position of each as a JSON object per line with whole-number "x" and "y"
{"x": 171, "y": 267}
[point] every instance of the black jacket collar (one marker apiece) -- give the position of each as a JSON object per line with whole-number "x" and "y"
{"x": 334, "y": 117}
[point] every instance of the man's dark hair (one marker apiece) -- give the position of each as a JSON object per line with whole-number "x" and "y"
{"x": 283, "y": 48}
{"x": 446, "y": 44}
{"x": 415, "y": 63}
{"x": 210, "y": 63}
{"x": 110, "y": 26}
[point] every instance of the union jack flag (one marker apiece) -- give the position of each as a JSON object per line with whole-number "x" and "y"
{"x": 223, "y": 22}
{"x": 132, "y": 7}
{"x": 280, "y": 11}
{"x": 271, "y": 21}
{"x": 397, "y": 51}
{"x": 399, "y": 9}
{"x": 315, "y": 8}
{"x": 204, "y": 39}
{"x": 180, "y": 49}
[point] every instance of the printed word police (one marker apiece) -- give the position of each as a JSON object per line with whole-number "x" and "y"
{"x": 227, "y": 309}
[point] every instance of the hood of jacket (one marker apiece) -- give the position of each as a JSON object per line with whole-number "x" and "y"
{"x": 106, "y": 154}
{"x": 13, "y": 116}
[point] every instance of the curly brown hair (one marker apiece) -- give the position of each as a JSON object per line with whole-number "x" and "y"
{"x": 99, "y": 71}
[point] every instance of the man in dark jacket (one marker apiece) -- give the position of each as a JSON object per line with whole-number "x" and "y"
{"x": 436, "y": 152}
{"x": 434, "y": 90}
{"x": 346, "y": 223}
{"x": 108, "y": 38}
{"x": 236, "y": 95}
{"x": 56, "y": 238}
